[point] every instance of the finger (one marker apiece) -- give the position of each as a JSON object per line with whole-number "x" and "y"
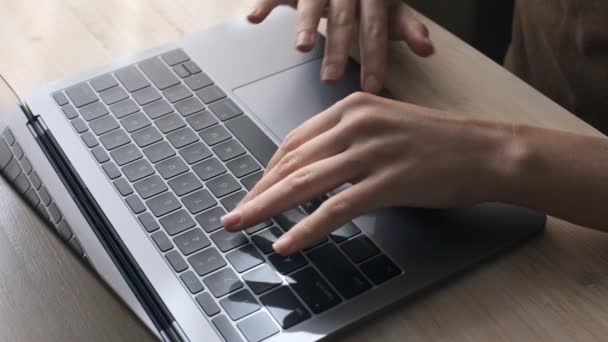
{"x": 340, "y": 22}
{"x": 308, "y": 17}
{"x": 327, "y": 144}
{"x": 412, "y": 31}
{"x": 262, "y": 8}
{"x": 373, "y": 39}
{"x": 333, "y": 213}
{"x": 300, "y": 186}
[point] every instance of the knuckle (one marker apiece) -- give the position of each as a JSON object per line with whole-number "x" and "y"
{"x": 336, "y": 208}
{"x": 290, "y": 142}
{"x": 375, "y": 29}
{"x": 300, "y": 180}
{"x": 341, "y": 17}
{"x": 358, "y": 98}
{"x": 287, "y": 163}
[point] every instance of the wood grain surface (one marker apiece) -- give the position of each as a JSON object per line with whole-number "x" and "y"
{"x": 554, "y": 288}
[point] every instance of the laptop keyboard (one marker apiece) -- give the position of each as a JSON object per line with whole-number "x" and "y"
{"x": 17, "y": 169}
{"x": 182, "y": 153}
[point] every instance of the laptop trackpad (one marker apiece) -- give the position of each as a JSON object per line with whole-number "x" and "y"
{"x": 285, "y": 100}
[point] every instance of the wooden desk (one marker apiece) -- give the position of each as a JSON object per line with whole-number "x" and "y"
{"x": 553, "y": 288}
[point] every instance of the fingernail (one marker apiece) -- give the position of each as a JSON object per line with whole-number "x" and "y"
{"x": 231, "y": 219}
{"x": 283, "y": 245}
{"x": 305, "y": 38}
{"x": 371, "y": 84}
{"x": 330, "y": 72}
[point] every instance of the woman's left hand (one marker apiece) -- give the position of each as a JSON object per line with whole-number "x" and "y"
{"x": 393, "y": 154}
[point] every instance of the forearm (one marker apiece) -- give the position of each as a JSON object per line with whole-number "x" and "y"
{"x": 562, "y": 174}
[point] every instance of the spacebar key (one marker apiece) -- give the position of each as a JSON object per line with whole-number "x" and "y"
{"x": 250, "y": 135}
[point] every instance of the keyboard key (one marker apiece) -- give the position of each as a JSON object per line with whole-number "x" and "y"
{"x": 138, "y": 170}
{"x": 360, "y": 248}
{"x": 159, "y": 151}
{"x": 32, "y": 197}
{"x": 192, "y": 67}
{"x": 225, "y": 240}
{"x": 258, "y": 227}
{"x": 210, "y": 94}
{"x": 146, "y": 95}
{"x": 228, "y": 150}
{"x": 195, "y": 153}
{"x": 131, "y": 78}
{"x": 230, "y": 202}
{"x": 64, "y": 230}
{"x": 75, "y": 245}
{"x": 223, "y": 282}
{"x": 135, "y": 204}
{"x": 199, "y": 201}
{"x": 223, "y": 185}
{"x": 170, "y": 123}
{"x": 182, "y": 137}
{"x": 181, "y": 71}
{"x": 89, "y": 139}
{"x": 104, "y": 82}
{"x": 340, "y": 272}
{"x": 60, "y": 98}
{"x": 158, "y": 73}
{"x": 162, "y": 241}
{"x": 209, "y": 168}
{"x": 285, "y": 307}
{"x": 258, "y": 327}
{"x": 27, "y": 166}
{"x": 12, "y": 170}
{"x": 210, "y": 220}
{"x": 79, "y": 125}
{"x": 240, "y": 304}
{"x": 313, "y": 290}
{"x": 17, "y": 151}
{"x": 126, "y": 154}
{"x": 124, "y": 108}
{"x": 185, "y": 183}
{"x": 5, "y": 154}
{"x": 215, "y": 135}
{"x": 22, "y": 184}
{"x": 198, "y": 81}
{"x": 202, "y": 120}
{"x": 312, "y": 205}
{"x": 93, "y": 111}
{"x": 380, "y": 269}
{"x": 100, "y": 154}
{"x": 192, "y": 283}
{"x": 228, "y": 332}
{"x": 252, "y": 137}
{"x": 245, "y": 258}
{"x": 150, "y": 187}
{"x": 176, "y": 261}
{"x": 104, "y": 125}
{"x": 148, "y": 222}
{"x": 162, "y": 204}
{"x": 113, "y": 95}
{"x": 207, "y": 261}
{"x": 290, "y": 218}
{"x": 147, "y": 136}
{"x": 134, "y": 122}
{"x": 81, "y": 94}
{"x": 174, "y": 57}
{"x": 345, "y": 232}
{"x": 288, "y": 264}
{"x": 177, "y": 93}
{"x": 243, "y": 166}
{"x": 42, "y": 211}
{"x": 262, "y": 279}
{"x": 171, "y": 167}
{"x": 111, "y": 170}
{"x": 177, "y": 222}
{"x": 225, "y": 109}
{"x": 69, "y": 111}
{"x": 191, "y": 241}
{"x": 114, "y": 139}
{"x": 8, "y": 135}
{"x": 189, "y": 106}
{"x": 208, "y": 304}
{"x": 123, "y": 187}
{"x": 158, "y": 109}
{"x": 250, "y": 181}
{"x": 266, "y": 239}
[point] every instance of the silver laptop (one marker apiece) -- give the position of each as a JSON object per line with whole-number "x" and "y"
{"x": 133, "y": 164}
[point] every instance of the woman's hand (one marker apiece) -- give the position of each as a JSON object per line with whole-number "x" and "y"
{"x": 393, "y": 154}
{"x": 379, "y": 21}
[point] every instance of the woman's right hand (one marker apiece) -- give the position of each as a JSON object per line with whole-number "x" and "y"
{"x": 379, "y": 21}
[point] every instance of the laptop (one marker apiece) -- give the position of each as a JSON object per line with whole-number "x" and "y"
{"x": 134, "y": 163}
